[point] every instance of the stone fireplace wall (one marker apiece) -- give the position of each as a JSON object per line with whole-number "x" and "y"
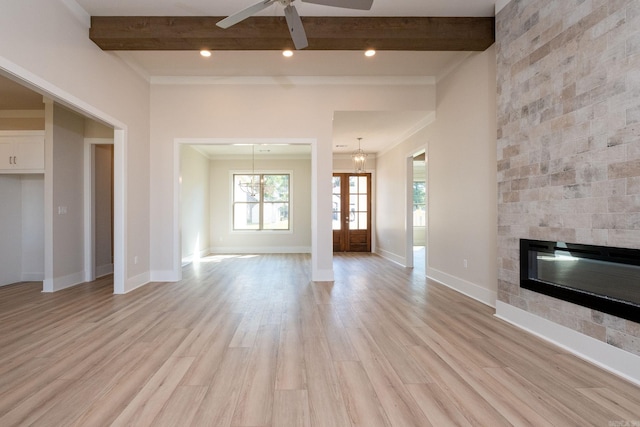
{"x": 568, "y": 79}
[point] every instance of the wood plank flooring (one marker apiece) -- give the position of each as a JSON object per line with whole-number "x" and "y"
{"x": 250, "y": 341}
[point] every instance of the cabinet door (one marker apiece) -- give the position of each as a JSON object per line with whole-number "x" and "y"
{"x": 6, "y": 154}
{"x": 29, "y": 152}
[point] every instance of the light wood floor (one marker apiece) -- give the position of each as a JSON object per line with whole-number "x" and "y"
{"x": 249, "y": 341}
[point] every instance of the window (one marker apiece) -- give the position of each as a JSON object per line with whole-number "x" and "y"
{"x": 419, "y": 203}
{"x": 261, "y": 201}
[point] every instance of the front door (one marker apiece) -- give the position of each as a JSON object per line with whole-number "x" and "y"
{"x": 351, "y": 212}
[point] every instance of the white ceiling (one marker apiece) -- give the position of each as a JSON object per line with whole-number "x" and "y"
{"x": 259, "y": 150}
{"x": 227, "y": 7}
{"x": 303, "y": 63}
{"x": 379, "y": 130}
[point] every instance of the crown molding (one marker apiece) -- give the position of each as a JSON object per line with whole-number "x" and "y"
{"x": 296, "y": 80}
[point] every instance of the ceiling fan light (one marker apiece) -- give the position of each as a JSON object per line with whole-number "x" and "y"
{"x": 370, "y": 52}
{"x": 287, "y": 53}
{"x": 205, "y": 53}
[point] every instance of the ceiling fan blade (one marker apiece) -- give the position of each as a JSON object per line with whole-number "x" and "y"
{"x": 296, "y": 29}
{"x": 244, "y": 14}
{"x": 347, "y": 4}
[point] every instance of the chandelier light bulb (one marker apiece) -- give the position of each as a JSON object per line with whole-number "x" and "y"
{"x": 359, "y": 158}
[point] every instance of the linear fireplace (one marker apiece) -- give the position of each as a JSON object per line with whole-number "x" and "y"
{"x": 602, "y": 278}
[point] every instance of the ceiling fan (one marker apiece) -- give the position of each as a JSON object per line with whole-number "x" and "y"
{"x": 294, "y": 22}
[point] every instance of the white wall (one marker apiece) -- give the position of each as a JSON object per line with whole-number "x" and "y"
{"x": 194, "y": 203}
{"x": 343, "y": 163}
{"x": 68, "y": 189}
{"x": 32, "y": 227}
{"x": 224, "y": 240}
{"x": 234, "y": 111}
{"x": 22, "y": 120}
{"x": 10, "y": 229}
{"x": 21, "y": 228}
{"x": 392, "y": 197}
{"x": 462, "y": 201}
{"x": 46, "y": 43}
{"x": 462, "y": 180}
{"x": 103, "y": 208}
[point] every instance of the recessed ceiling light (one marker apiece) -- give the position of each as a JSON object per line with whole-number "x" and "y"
{"x": 205, "y": 53}
{"x": 370, "y": 53}
{"x": 288, "y": 53}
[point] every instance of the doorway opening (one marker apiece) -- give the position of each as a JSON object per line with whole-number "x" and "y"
{"x": 208, "y": 221}
{"x": 418, "y": 214}
{"x": 52, "y": 96}
{"x": 351, "y": 216}
{"x": 99, "y": 207}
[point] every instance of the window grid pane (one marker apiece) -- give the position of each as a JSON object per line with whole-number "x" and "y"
{"x": 261, "y": 202}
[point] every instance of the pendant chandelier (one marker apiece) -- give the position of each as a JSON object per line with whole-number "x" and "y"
{"x": 359, "y": 158}
{"x": 253, "y": 187}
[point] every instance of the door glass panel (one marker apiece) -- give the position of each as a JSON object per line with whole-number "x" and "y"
{"x": 336, "y": 220}
{"x": 353, "y": 203}
{"x": 362, "y": 221}
{"x": 362, "y": 203}
{"x": 358, "y": 203}
{"x": 362, "y": 188}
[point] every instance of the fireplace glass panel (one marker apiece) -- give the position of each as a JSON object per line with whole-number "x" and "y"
{"x": 604, "y": 278}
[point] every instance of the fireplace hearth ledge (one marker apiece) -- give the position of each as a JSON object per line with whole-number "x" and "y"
{"x": 613, "y": 359}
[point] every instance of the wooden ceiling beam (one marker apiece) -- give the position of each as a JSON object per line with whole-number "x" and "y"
{"x": 271, "y": 33}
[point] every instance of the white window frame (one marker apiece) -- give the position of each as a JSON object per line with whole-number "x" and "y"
{"x": 232, "y": 230}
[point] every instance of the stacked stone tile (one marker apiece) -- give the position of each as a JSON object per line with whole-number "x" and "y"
{"x": 568, "y": 142}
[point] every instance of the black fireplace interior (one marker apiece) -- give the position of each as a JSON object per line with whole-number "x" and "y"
{"x": 603, "y": 278}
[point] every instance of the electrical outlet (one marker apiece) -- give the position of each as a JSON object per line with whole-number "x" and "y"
{"x": 464, "y": 263}
{"x": 135, "y": 259}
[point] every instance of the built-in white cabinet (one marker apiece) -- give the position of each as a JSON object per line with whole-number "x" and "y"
{"x": 21, "y": 151}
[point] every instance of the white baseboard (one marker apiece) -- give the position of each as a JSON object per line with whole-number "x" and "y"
{"x": 165, "y": 276}
{"x": 189, "y": 258}
{"x": 260, "y": 250}
{"x": 391, "y": 257}
{"x": 322, "y": 276}
{"x": 103, "y": 270}
{"x": 12, "y": 282}
{"x": 615, "y": 360}
{"x": 64, "y": 282}
{"x": 477, "y": 292}
{"x": 136, "y": 282}
{"x": 32, "y": 277}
